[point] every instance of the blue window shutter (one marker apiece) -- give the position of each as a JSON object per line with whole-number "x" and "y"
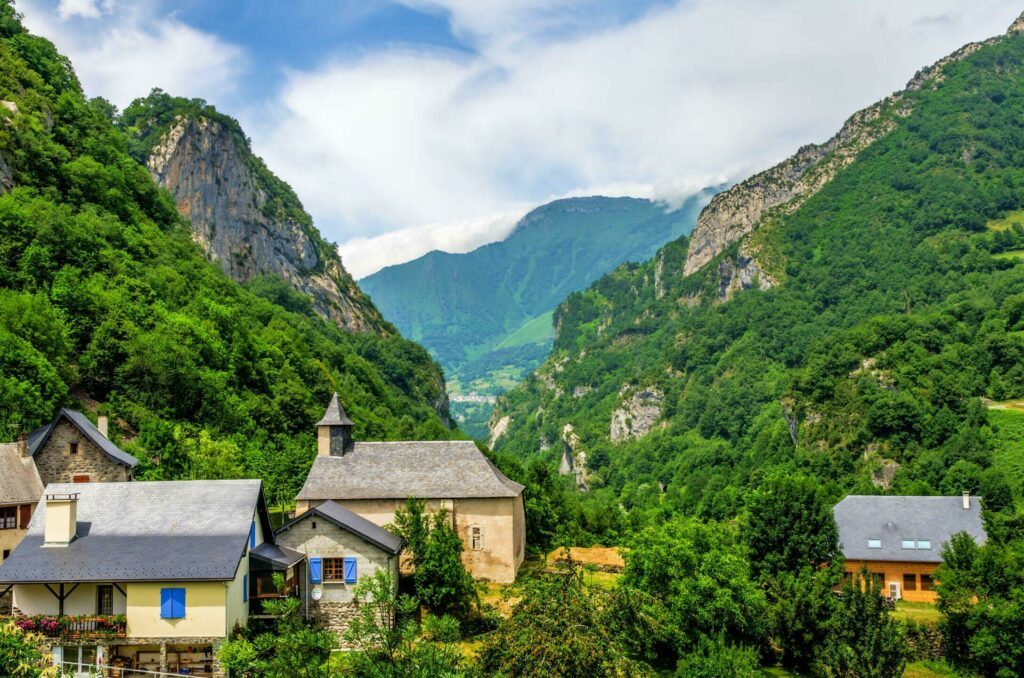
{"x": 166, "y": 608}
{"x": 245, "y": 588}
{"x": 252, "y": 536}
{"x": 316, "y": 570}
{"x": 350, "y": 570}
{"x": 178, "y": 600}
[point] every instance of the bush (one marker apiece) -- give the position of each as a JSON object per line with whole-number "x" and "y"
{"x": 714, "y": 659}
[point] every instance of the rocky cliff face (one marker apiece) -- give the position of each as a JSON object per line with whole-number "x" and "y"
{"x": 785, "y": 187}
{"x": 201, "y": 164}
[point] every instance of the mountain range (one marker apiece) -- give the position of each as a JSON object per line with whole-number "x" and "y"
{"x": 486, "y": 315}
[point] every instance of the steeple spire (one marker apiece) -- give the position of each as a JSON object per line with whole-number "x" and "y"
{"x": 334, "y": 431}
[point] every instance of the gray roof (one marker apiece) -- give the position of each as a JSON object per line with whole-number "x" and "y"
{"x": 144, "y": 531}
{"x": 335, "y": 414}
{"x": 352, "y": 522}
{"x": 280, "y": 557}
{"x": 447, "y": 469}
{"x": 19, "y": 479}
{"x": 895, "y": 519}
{"x": 38, "y": 438}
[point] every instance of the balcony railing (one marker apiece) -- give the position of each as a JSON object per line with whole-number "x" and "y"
{"x": 73, "y": 627}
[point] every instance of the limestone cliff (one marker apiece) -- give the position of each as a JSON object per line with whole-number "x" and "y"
{"x": 216, "y": 183}
{"x": 785, "y": 187}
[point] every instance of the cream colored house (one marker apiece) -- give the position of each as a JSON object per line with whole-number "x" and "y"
{"x": 341, "y": 549}
{"x": 374, "y": 479}
{"x": 173, "y": 558}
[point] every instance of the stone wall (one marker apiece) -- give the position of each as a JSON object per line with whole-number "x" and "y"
{"x": 56, "y": 464}
{"x": 336, "y": 617}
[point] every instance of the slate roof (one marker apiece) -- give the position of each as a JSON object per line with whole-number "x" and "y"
{"x": 280, "y": 557}
{"x": 19, "y": 479}
{"x": 351, "y": 522}
{"x": 144, "y": 531}
{"x": 894, "y": 519}
{"x": 335, "y": 414}
{"x": 38, "y": 438}
{"x": 448, "y": 469}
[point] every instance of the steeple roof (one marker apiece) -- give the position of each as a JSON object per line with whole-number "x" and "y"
{"x": 335, "y": 415}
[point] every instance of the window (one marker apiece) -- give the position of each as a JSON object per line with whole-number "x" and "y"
{"x": 874, "y": 543}
{"x": 476, "y": 538}
{"x": 350, "y": 570}
{"x": 878, "y": 579}
{"x": 909, "y": 582}
{"x": 334, "y": 569}
{"x": 245, "y": 588}
{"x": 926, "y": 582}
{"x": 924, "y": 544}
{"x": 8, "y": 517}
{"x": 316, "y": 570}
{"x": 908, "y": 544}
{"x": 73, "y": 448}
{"x": 314, "y": 525}
{"x": 172, "y": 603}
{"x": 105, "y": 599}
{"x": 7, "y": 553}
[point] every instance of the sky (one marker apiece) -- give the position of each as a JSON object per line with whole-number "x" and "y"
{"x": 411, "y": 125}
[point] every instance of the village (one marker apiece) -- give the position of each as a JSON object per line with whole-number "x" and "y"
{"x": 139, "y": 577}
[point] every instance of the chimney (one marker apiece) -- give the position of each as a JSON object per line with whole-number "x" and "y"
{"x": 60, "y": 523}
{"x": 967, "y": 500}
{"x": 23, "y": 444}
{"x": 334, "y": 431}
{"x": 102, "y": 423}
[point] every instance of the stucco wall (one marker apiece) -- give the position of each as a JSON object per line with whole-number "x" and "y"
{"x": 500, "y": 518}
{"x": 205, "y": 611}
{"x": 237, "y": 609}
{"x": 327, "y": 540}
{"x": 893, "y": 572}
{"x": 56, "y": 464}
{"x": 36, "y": 599}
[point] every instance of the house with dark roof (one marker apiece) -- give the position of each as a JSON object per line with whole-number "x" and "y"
{"x": 341, "y": 548}
{"x": 899, "y": 539}
{"x": 70, "y": 449}
{"x": 374, "y": 479}
{"x": 144, "y": 575}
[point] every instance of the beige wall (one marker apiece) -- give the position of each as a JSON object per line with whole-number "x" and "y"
{"x": 205, "y": 610}
{"x": 501, "y": 520}
{"x": 36, "y": 599}
{"x": 327, "y": 540}
{"x": 9, "y": 539}
{"x": 56, "y": 464}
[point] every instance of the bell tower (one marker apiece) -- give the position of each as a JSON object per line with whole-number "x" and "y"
{"x": 334, "y": 431}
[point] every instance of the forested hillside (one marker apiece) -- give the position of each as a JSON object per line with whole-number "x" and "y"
{"x": 851, "y": 335}
{"x": 486, "y": 314}
{"x": 105, "y": 298}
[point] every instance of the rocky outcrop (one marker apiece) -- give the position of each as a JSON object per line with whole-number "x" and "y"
{"x": 211, "y": 177}
{"x": 636, "y": 415}
{"x": 786, "y": 186}
{"x": 741, "y": 273}
{"x": 498, "y": 427}
{"x": 574, "y": 459}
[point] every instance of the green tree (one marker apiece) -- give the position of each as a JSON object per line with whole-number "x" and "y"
{"x": 864, "y": 640}
{"x": 790, "y": 526}
{"x": 801, "y": 607}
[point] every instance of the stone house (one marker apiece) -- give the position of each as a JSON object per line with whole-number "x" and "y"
{"x": 374, "y": 479}
{"x": 151, "y": 576}
{"x": 899, "y": 539}
{"x": 340, "y": 548}
{"x": 68, "y": 449}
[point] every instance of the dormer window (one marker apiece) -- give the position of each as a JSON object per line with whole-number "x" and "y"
{"x": 874, "y": 543}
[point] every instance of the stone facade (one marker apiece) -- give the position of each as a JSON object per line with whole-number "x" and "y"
{"x": 335, "y": 616}
{"x": 57, "y": 464}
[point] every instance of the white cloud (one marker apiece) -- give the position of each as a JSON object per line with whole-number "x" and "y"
{"x": 131, "y": 50}
{"x": 688, "y": 94}
{"x": 363, "y": 256}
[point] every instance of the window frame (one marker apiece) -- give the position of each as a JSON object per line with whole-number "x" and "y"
{"x": 927, "y": 582}
{"x": 912, "y": 578}
{"x": 334, "y": 570}
{"x": 476, "y": 538}
{"x": 924, "y": 544}
{"x": 904, "y": 544}
{"x": 8, "y": 522}
{"x": 100, "y": 590}
{"x": 874, "y": 543}
{"x": 73, "y": 447}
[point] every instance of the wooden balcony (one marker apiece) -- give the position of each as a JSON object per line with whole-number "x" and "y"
{"x": 66, "y": 627}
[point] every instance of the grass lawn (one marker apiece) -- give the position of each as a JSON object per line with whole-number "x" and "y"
{"x": 928, "y": 669}
{"x": 1010, "y": 254}
{"x": 1007, "y": 222}
{"x": 1008, "y": 422}
{"x": 922, "y": 613}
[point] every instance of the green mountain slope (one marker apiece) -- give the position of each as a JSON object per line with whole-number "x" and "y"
{"x": 484, "y": 314}
{"x": 848, "y": 331}
{"x": 105, "y": 297}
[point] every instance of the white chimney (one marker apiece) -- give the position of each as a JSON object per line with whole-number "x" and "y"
{"x": 967, "y": 500}
{"x": 101, "y": 424}
{"x": 23, "y": 444}
{"x": 61, "y": 519}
